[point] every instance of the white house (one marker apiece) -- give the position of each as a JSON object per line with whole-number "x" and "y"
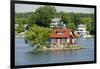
{"x": 81, "y": 30}
{"x": 56, "y": 22}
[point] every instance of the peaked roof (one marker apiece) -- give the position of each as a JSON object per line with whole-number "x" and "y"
{"x": 61, "y": 33}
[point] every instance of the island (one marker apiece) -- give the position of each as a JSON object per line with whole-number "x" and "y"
{"x": 61, "y": 38}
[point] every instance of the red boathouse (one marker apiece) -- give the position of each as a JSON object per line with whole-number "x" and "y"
{"x": 62, "y": 37}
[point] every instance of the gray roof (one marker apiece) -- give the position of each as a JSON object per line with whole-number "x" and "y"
{"x": 56, "y": 19}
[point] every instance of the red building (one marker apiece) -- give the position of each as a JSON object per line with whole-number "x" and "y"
{"x": 60, "y": 38}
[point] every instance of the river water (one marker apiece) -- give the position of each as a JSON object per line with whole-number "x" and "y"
{"x": 24, "y": 54}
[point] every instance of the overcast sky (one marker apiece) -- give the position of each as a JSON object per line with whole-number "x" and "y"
{"x": 30, "y": 8}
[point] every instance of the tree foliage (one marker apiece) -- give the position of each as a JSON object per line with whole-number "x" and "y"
{"x": 44, "y": 15}
{"x": 38, "y": 35}
{"x": 20, "y": 27}
{"x": 68, "y": 20}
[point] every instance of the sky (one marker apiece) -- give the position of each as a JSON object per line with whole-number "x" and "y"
{"x": 32, "y": 8}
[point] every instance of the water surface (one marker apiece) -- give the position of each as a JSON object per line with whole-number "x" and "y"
{"x": 24, "y": 54}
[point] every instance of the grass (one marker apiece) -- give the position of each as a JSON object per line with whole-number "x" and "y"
{"x": 73, "y": 47}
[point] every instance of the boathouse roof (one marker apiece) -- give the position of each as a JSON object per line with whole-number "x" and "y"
{"x": 62, "y": 33}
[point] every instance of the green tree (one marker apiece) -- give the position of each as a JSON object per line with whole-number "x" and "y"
{"x": 65, "y": 18}
{"x": 77, "y": 17}
{"x": 20, "y": 27}
{"x": 89, "y": 24}
{"x": 71, "y": 26}
{"x": 38, "y": 36}
{"x": 68, "y": 20}
{"x": 32, "y": 19}
{"x": 44, "y": 15}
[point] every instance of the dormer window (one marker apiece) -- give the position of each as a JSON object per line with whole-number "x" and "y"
{"x": 61, "y": 32}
